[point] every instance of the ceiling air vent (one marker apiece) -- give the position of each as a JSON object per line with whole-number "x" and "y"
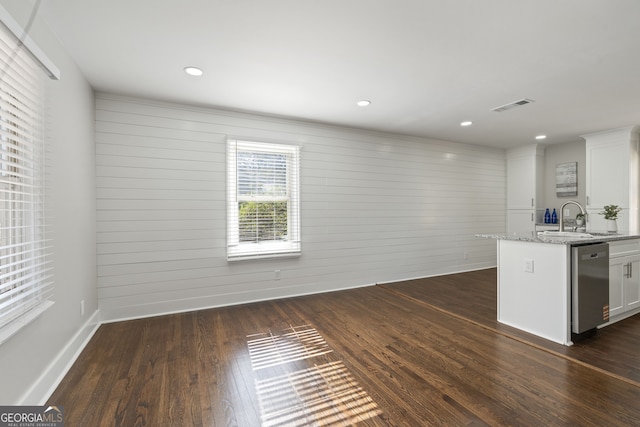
{"x": 511, "y": 105}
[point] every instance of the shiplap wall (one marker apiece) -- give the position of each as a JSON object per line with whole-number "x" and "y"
{"x": 375, "y": 208}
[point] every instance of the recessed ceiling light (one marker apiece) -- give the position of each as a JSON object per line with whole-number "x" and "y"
{"x": 467, "y": 123}
{"x": 363, "y": 103}
{"x": 541, "y": 137}
{"x": 193, "y": 71}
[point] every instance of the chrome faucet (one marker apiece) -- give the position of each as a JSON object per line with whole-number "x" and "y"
{"x": 562, "y": 211}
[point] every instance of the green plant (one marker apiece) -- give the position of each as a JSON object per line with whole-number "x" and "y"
{"x": 610, "y": 212}
{"x": 580, "y": 216}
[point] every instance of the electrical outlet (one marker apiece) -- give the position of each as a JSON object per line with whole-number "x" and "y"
{"x": 277, "y": 274}
{"x": 466, "y": 255}
{"x": 82, "y": 308}
{"x": 528, "y": 265}
{"x": 567, "y": 212}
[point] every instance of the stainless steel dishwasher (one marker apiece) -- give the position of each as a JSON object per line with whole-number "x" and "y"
{"x": 589, "y": 286}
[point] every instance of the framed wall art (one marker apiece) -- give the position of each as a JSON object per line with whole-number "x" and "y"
{"x": 567, "y": 179}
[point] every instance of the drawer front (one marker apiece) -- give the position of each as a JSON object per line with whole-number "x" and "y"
{"x": 624, "y": 247}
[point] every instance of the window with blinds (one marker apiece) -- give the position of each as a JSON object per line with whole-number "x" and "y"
{"x": 263, "y": 200}
{"x": 26, "y": 282}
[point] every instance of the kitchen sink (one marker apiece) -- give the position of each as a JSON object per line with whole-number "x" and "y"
{"x": 569, "y": 234}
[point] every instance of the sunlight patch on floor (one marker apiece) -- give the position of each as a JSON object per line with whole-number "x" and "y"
{"x": 323, "y": 395}
{"x": 318, "y": 394}
{"x": 295, "y": 343}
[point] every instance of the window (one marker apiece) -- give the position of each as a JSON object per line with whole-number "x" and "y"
{"x": 263, "y": 200}
{"x": 25, "y": 269}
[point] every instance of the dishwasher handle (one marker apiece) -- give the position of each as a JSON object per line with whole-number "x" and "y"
{"x": 594, "y": 255}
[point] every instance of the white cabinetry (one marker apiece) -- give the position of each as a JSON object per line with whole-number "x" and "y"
{"x": 525, "y": 171}
{"x": 521, "y": 220}
{"x": 613, "y": 177}
{"x": 624, "y": 277}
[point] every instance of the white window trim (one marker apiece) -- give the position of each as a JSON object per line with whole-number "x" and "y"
{"x": 26, "y": 270}
{"x": 31, "y": 47}
{"x": 12, "y": 328}
{"x": 238, "y": 251}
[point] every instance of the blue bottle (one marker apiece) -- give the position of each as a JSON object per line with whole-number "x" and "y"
{"x": 547, "y": 217}
{"x": 554, "y": 217}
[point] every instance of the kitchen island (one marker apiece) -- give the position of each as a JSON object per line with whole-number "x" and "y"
{"x": 534, "y": 279}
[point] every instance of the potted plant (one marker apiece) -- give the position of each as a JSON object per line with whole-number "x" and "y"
{"x": 580, "y": 219}
{"x": 610, "y": 213}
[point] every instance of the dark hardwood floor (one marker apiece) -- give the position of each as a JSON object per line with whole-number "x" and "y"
{"x": 473, "y": 296}
{"x": 380, "y": 356}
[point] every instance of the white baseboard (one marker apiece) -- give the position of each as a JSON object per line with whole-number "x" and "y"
{"x": 620, "y": 317}
{"x": 165, "y": 308}
{"x": 466, "y": 269}
{"x": 46, "y": 384}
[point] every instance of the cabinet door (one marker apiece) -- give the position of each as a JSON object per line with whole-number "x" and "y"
{"x": 521, "y": 183}
{"x": 607, "y": 174}
{"x": 617, "y": 270}
{"x": 521, "y": 221}
{"x": 632, "y": 283}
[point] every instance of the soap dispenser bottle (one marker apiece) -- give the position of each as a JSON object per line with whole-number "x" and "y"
{"x": 547, "y": 217}
{"x": 554, "y": 217}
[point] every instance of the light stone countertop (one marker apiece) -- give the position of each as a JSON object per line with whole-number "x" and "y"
{"x": 598, "y": 236}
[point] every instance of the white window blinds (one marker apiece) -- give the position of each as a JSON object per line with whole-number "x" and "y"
{"x": 25, "y": 268}
{"x": 263, "y": 200}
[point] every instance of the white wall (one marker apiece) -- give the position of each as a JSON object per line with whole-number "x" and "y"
{"x": 564, "y": 153}
{"x": 375, "y": 208}
{"x": 32, "y": 360}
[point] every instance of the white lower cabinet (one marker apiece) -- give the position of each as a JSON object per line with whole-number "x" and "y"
{"x": 624, "y": 278}
{"x": 632, "y": 284}
{"x": 616, "y": 286}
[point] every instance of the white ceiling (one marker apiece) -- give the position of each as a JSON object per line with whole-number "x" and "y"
{"x": 426, "y": 65}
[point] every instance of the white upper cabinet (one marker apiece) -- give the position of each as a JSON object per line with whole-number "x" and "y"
{"x": 525, "y": 168}
{"x": 609, "y": 167}
{"x": 612, "y": 176}
{"x": 521, "y": 183}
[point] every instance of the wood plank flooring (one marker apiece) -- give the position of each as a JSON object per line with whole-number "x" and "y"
{"x": 473, "y": 296}
{"x": 376, "y": 356}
